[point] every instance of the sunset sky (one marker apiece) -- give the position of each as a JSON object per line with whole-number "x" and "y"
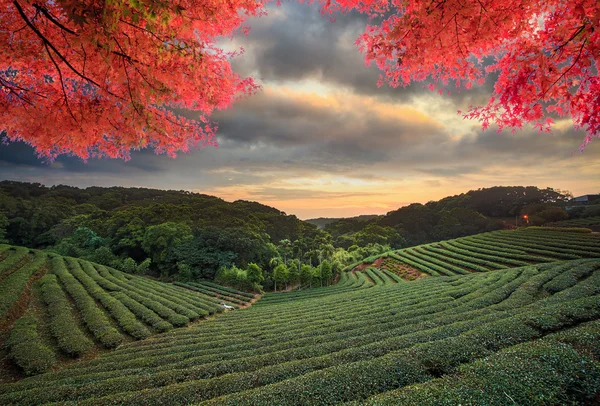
{"x": 321, "y": 139}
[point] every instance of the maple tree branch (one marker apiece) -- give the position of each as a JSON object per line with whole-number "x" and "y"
{"x": 49, "y": 44}
{"x": 457, "y": 40}
{"x": 62, "y": 83}
{"x": 487, "y": 12}
{"x": 129, "y": 58}
{"x": 12, "y": 90}
{"x": 445, "y": 25}
{"x": 52, "y": 19}
{"x": 566, "y": 71}
{"x": 142, "y": 29}
{"x": 577, "y": 32}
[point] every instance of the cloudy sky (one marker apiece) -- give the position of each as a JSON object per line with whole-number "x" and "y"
{"x": 321, "y": 139}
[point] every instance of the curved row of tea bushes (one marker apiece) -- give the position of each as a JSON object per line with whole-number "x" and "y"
{"x": 334, "y": 348}
{"x": 212, "y": 297}
{"x": 150, "y": 301}
{"x": 83, "y": 305}
{"x": 225, "y": 288}
{"x": 93, "y": 316}
{"x": 13, "y": 285}
{"x": 14, "y": 255}
{"x": 450, "y": 253}
{"x": 543, "y": 372}
{"x": 245, "y": 297}
{"x": 26, "y": 348}
{"x": 497, "y": 250}
{"x": 124, "y": 317}
{"x": 63, "y": 325}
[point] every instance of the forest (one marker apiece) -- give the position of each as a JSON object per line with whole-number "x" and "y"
{"x": 185, "y": 236}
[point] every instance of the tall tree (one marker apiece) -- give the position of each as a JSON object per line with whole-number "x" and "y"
{"x": 101, "y": 78}
{"x": 326, "y": 272}
{"x": 255, "y": 274}
{"x": 543, "y": 53}
{"x": 280, "y": 275}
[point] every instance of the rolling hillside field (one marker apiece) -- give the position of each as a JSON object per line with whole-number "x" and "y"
{"x": 500, "y": 318}
{"x": 55, "y": 308}
{"x": 489, "y": 251}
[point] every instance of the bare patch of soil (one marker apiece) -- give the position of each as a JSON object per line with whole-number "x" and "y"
{"x": 403, "y": 270}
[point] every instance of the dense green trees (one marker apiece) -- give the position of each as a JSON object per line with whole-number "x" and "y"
{"x": 455, "y": 216}
{"x": 280, "y": 275}
{"x": 186, "y": 236}
{"x": 149, "y": 231}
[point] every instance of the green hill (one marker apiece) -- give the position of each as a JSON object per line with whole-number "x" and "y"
{"x": 530, "y": 332}
{"x": 53, "y": 308}
{"x": 499, "y": 318}
{"x": 490, "y": 251}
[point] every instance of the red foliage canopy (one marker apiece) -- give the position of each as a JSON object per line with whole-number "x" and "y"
{"x": 546, "y": 54}
{"x": 99, "y": 77}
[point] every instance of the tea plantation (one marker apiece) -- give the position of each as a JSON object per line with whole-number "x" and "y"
{"x": 513, "y": 318}
{"x": 491, "y": 251}
{"x": 61, "y": 307}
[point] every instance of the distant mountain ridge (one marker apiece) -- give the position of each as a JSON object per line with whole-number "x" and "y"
{"x": 321, "y": 222}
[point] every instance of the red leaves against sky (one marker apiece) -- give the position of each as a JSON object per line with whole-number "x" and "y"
{"x": 99, "y": 77}
{"x": 96, "y": 77}
{"x": 545, "y": 53}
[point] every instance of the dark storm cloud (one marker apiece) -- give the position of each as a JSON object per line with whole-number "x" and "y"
{"x": 527, "y": 146}
{"x": 299, "y": 43}
{"x": 296, "y": 42}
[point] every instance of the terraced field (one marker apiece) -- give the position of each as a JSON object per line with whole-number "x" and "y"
{"x": 223, "y": 294}
{"x": 589, "y": 222}
{"x": 491, "y": 251}
{"x": 53, "y": 309}
{"x": 528, "y": 335}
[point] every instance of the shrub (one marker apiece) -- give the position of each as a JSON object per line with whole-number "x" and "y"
{"x": 26, "y": 349}
{"x": 63, "y": 325}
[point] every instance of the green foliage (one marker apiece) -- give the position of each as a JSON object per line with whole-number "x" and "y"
{"x": 129, "y": 266}
{"x": 3, "y": 225}
{"x": 376, "y": 345}
{"x": 326, "y": 272}
{"x": 306, "y": 274}
{"x": 14, "y": 284}
{"x": 143, "y": 267}
{"x": 235, "y": 277}
{"x": 109, "y": 225}
{"x": 63, "y": 325}
{"x": 293, "y": 273}
{"x": 161, "y": 241}
{"x": 26, "y": 349}
{"x": 184, "y": 272}
{"x": 280, "y": 275}
{"x": 254, "y": 273}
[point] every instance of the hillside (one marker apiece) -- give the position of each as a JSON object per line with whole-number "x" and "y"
{"x": 488, "y": 251}
{"x": 527, "y": 333}
{"x": 54, "y": 308}
{"x": 321, "y": 222}
{"x": 473, "y": 212}
{"x": 165, "y": 228}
